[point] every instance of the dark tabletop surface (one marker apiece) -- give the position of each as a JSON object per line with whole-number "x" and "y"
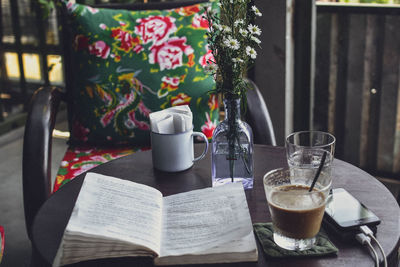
{"x": 53, "y": 216}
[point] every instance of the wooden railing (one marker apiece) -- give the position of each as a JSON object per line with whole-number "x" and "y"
{"x": 357, "y": 84}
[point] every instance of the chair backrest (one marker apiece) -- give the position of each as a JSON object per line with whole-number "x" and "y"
{"x": 258, "y": 117}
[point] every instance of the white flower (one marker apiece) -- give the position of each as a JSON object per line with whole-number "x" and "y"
{"x": 217, "y": 27}
{"x": 256, "y": 11}
{"x": 251, "y": 52}
{"x": 243, "y": 32}
{"x": 232, "y": 43}
{"x": 211, "y": 68}
{"x": 255, "y": 39}
{"x": 237, "y": 60}
{"x": 213, "y": 12}
{"x": 226, "y": 29}
{"x": 253, "y": 29}
{"x": 237, "y": 22}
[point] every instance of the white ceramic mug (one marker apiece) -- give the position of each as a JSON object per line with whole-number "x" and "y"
{"x": 174, "y": 152}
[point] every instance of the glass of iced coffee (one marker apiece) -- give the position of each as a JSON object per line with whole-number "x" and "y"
{"x": 295, "y": 211}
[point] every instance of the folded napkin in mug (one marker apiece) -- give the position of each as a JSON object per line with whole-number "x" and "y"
{"x": 172, "y": 120}
{"x": 264, "y": 232}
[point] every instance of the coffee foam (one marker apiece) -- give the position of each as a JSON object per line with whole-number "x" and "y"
{"x": 296, "y": 197}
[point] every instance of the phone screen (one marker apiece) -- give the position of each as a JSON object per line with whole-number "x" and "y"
{"x": 347, "y": 211}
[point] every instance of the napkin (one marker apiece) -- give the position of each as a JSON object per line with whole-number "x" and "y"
{"x": 264, "y": 232}
{"x": 171, "y": 120}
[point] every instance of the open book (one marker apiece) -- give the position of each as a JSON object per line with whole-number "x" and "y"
{"x": 119, "y": 218}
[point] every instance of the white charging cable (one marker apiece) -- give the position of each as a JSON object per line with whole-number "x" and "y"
{"x": 365, "y": 240}
{"x": 365, "y": 230}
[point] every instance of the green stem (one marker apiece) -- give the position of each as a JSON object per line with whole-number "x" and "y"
{"x": 232, "y": 135}
{"x": 243, "y": 154}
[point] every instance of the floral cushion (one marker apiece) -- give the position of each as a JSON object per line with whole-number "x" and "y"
{"x": 1, "y": 242}
{"x": 80, "y": 159}
{"x": 131, "y": 63}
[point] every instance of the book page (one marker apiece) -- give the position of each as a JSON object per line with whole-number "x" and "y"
{"x": 199, "y": 221}
{"x": 119, "y": 210}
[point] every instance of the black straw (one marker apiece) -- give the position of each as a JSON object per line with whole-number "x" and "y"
{"x": 318, "y": 171}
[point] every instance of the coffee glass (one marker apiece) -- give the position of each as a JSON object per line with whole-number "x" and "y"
{"x": 296, "y": 213}
{"x": 304, "y": 151}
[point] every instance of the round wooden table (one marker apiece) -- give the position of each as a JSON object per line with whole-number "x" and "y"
{"x": 53, "y": 216}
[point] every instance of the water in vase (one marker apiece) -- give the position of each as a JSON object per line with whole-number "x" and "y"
{"x": 242, "y": 165}
{"x": 232, "y": 149}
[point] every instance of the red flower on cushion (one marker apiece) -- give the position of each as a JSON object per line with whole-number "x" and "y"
{"x": 100, "y": 49}
{"x": 188, "y": 10}
{"x": 170, "y": 82}
{"x": 92, "y": 10}
{"x": 169, "y": 55}
{"x": 209, "y": 127}
{"x": 81, "y": 42}
{"x": 213, "y": 102}
{"x": 199, "y": 21}
{"x": 207, "y": 58}
{"x": 180, "y": 99}
{"x": 156, "y": 29}
{"x": 135, "y": 123}
{"x": 80, "y": 132}
{"x": 2, "y": 242}
{"x": 126, "y": 39}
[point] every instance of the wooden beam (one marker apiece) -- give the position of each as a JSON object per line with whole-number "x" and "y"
{"x": 304, "y": 50}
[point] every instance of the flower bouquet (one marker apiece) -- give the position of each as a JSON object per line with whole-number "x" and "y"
{"x": 232, "y": 40}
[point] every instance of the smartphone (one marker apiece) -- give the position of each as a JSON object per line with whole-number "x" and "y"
{"x": 346, "y": 213}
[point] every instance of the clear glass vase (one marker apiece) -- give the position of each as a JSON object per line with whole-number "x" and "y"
{"x": 232, "y": 148}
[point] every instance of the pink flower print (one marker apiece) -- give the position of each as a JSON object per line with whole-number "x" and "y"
{"x": 137, "y": 49}
{"x": 103, "y": 26}
{"x": 199, "y": 21}
{"x": 92, "y": 10}
{"x": 71, "y": 6}
{"x": 213, "y": 102}
{"x": 180, "y": 99}
{"x": 209, "y": 127}
{"x": 188, "y": 10}
{"x": 106, "y": 119}
{"x": 100, "y": 49}
{"x": 207, "y": 58}
{"x": 80, "y": 132}
{"x": 173, "y": 81}
{"x": 81, "y": 42}
{"x": 155, "y": 29}
{"x": 98, "y": 158}
{"x": 168, "y": 84}
{"x": 134, "y": 123}
{"x": 144, "y": 110}
{"x": 126, "y": 39}
{"x": 169, "y": 55}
